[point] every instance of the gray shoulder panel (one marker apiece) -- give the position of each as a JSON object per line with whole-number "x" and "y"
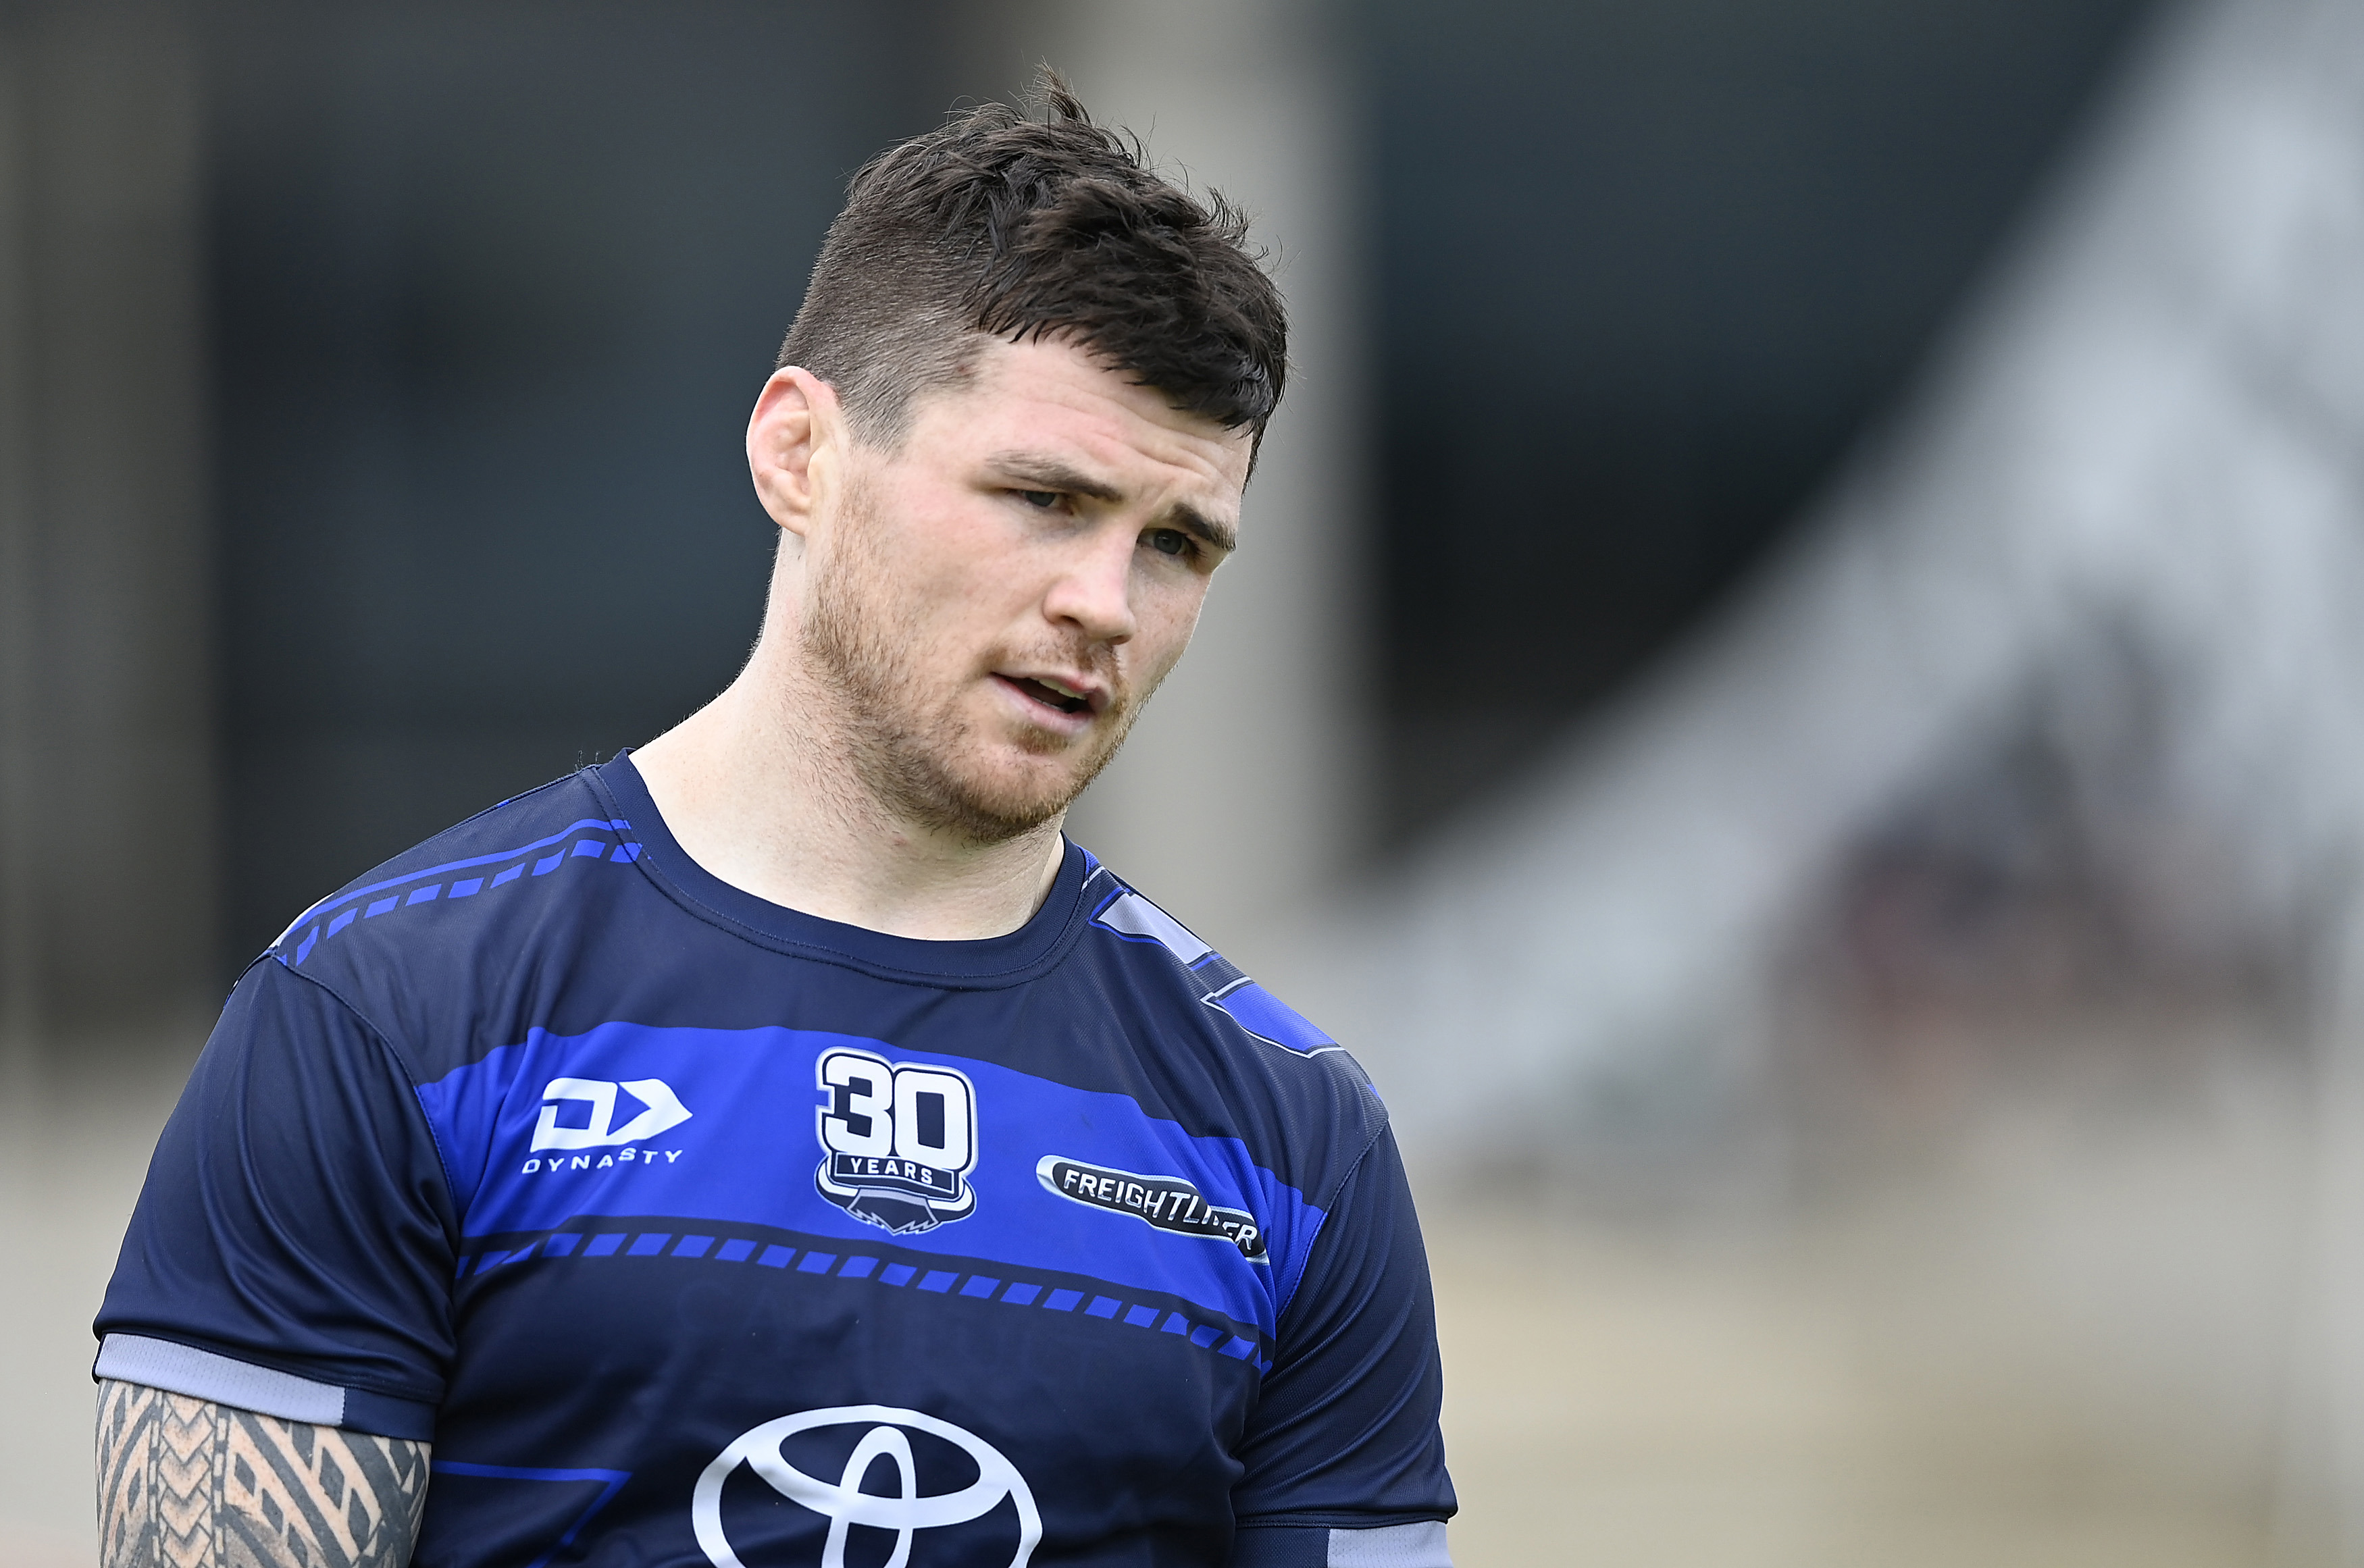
{"x": 1128, "y": 913}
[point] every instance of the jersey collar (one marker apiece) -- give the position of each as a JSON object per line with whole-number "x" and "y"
{"x": 983, "y": 962}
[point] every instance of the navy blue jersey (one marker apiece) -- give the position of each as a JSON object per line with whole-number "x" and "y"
{"x": 693, "y": 1229}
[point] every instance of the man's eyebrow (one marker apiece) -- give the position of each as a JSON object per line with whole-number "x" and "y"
{"x": 1049, "y": 473}
{"x": 1213, "y": 534}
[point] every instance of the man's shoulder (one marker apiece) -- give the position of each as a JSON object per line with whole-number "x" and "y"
{"x": 1251, "y": 1040}
{"x": 514, "y": 860}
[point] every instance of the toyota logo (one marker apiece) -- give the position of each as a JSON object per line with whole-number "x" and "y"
{"x": 905, "y": 1511}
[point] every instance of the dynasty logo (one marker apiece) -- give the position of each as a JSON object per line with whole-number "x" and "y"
{"x": 1166, "y": 1203}
{"x": 897, "y": 1140}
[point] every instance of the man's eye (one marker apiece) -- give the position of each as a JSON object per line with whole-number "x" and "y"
{"x": 1042, "y": 500}
{"x": 1170, "y": 542}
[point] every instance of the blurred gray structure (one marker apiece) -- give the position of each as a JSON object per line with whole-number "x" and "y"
{"x": 2148, "y": 427}
{"x": 107, "y": 775}
{"x": 2141, "y": 449}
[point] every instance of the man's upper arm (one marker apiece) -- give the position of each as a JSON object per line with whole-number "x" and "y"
{"x": 291, "y": 1251}
{"x": 187, "y": 1482}
{"x": 1344, "y": 1463}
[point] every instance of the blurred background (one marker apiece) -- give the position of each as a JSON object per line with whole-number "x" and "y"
{"x": 1795, "y": 689}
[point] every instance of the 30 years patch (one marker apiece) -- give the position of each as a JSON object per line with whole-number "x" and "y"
{"x": 898, "y": 1139}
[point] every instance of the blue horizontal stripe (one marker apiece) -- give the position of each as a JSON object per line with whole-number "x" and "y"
{"x": 728, "y": 1164}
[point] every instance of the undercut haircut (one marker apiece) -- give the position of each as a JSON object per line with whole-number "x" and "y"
{"x": 1052, "y": 227}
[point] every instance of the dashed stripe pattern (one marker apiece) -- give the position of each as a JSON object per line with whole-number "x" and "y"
{"x": 950, "y": 1283}
{"x": 611, "y": 847}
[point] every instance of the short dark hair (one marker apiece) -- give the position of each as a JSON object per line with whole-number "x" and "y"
{"x": 998, "y": 223}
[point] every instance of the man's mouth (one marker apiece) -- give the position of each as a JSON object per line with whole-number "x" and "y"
{"x": 1051, "y": 694}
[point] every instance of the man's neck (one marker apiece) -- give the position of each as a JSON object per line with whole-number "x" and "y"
{"x": 764, "y": 799}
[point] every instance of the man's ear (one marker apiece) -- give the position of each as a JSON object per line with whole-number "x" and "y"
{"x": 792, "y": 439}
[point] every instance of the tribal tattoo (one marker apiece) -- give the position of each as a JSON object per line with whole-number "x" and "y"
{"x": 185, "y": 1483}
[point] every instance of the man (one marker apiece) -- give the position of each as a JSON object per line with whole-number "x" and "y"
{"x": 779, "y": 1145}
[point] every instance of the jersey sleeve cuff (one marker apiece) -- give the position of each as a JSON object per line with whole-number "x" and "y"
{"x": 223, "y": 1379}
{"x": 1417, "y": 1545}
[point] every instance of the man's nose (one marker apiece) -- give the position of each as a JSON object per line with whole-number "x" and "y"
{"x": 1093, "y": 591}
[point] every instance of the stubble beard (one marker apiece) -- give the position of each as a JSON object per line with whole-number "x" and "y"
{"x": 905, "y": 748}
